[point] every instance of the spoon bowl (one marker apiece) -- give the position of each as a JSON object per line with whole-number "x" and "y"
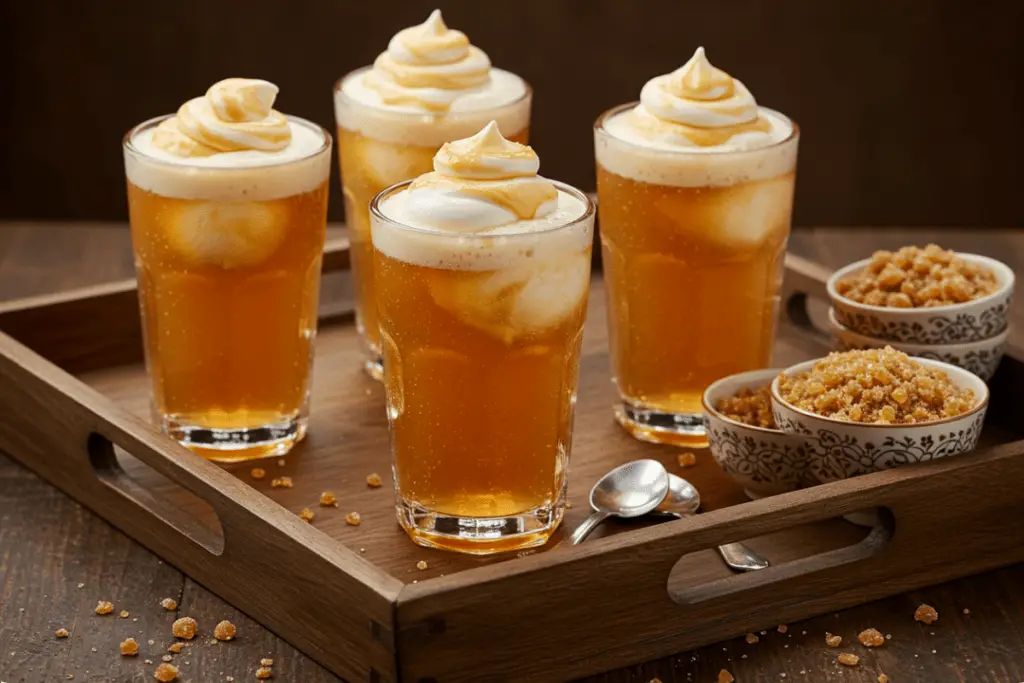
{"x": 630, "y": 490}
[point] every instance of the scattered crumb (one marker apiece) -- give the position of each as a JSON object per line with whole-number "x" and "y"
{"x": 847, "y": 659}
{"x": 104, "y": 607}
{"x": 687, "y": 459}
{"x": 225, "y": 630}
{"x": 568, "y": 505}
{"x": 176, "y": 647}
{"x": 871, "y": 638}
{"x": 280, "y": 462}
{"x": 213, "y": 641}
{"x": 81, "y": 585}
{"x": 62, "y": 633}
{"x": 70, "y": 676}
{"x": 353, "y": 519}
{"x": 752, "y": 638}
{"x": 782, "y": 628}
{"x": 966, "y": 611}
{"x": 266, "y": 662}
{"x": 421, "y": 565}
{"x": 833, "y": 641}
{"x": 362, "y": 550}
{"x": 882, "y": 678}
{"x": 926, "y": 614}
{"x": 374, "y": 481}
{"x": 124, "y": 614}
{"x": 184, "y": 628}
{"x": 167, "y": 658}
{"x": 229, "y": 678}
{"x": 328, "y": 499}
{"x": 888, "y": 636}
{"x": 257, "y": 473}
{"x": 151, "y": 641}
{"x": 264, "y": 672}
{"x": 725, "y": 677}
{"x": 306, "y": 515}
{"x": 281, "y": 483}
{"x": 147, "y": 661}
{"x": 168, "y": 604}
{"x": 165, "y": 672}
{"x": 94, "y": 649}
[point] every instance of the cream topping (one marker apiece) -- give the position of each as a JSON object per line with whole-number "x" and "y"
{"x": 234, "y": 115}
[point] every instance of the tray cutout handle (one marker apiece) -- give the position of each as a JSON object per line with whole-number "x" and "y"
{"x": 804, "y": 290}
{"x": 875, "y": 542}
{"x": 107, "y": 459}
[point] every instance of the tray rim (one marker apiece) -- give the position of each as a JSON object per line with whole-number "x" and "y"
{"x": 407, "y": 599}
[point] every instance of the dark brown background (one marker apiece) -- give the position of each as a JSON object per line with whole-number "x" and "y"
{"x": 910, "y": 109}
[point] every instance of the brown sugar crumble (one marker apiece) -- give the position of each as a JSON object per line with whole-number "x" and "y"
{"x": 847, "y": 659}
{"x": 926, "y": 614}
{"x": 687, "y": 459}
{"x": 225, "y": 630}
{"x": 725, "y": 677}
{"x": 62, "y": 633}
{"x": 264, "y": 672}
{"x": 882, "y": 678}
{"x": 168, "y": 604}
{"x": 871, "y": 638}
{"x": 129, "y": 648}
{"x": 353, "y": 519}
{"x": 881, "y": 386}
{"x": 165, "y": 673}
{"x": 266, "y": 662}
{"x": 124, "y": 614}
{"x": 281, "y": 483}
{"x": 176, "y": 647}
{"x": 752, "y": 638}
{"x": 749, "y": 406}
{"x": 167, "y": 658}
{"x": 833, "y": 641}
{"x": 184, "y": 628}
{"x": 257, "y": 473}
{"x": 782, "y": 628}
{"x": 374, "y": 481}
{"x": 918, "y": 278}
{"x": 104, "y": 607}
{"x": 328, "y": 499}
{"x": 306, "y": 515}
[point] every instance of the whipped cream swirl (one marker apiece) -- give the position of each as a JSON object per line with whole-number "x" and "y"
{"x": 235, "y": 115}
{"x": 428, "y": 67}
{"x": 479, "y": 183}
{"x": 699, "y": 105}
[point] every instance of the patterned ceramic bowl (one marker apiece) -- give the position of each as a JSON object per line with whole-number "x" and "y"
{"x": 763, "y": 461}
{"x": 980, "y": 357}
{"x": 838, "y": 449}
{"x": 954, "y": 324}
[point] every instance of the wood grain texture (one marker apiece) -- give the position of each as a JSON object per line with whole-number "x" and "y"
{"x": 1001, "y": 626}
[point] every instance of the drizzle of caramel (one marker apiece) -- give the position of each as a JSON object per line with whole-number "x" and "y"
{"x": 522, "y": 199}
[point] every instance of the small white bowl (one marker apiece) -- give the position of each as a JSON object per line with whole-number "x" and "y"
{"x": 765, "y": 462}
{"x": 953, "y": 324}
{"x": 838, "y": 449}
{"x": 980, "y": 357}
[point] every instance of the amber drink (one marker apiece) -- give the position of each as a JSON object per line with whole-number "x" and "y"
{"x": 695, "y": 187}
{"x": 482, "y": 280}
{"x": 228, "y": 203}
{"x": 430, "y": 87}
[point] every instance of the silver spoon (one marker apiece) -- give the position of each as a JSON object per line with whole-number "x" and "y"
{"x": 683, "y": 500}
{"x": 630, "y": 490}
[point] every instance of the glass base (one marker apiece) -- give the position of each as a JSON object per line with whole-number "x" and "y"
{"x": 237, "y": 445}
{"x": 479, "y": 535}
{"x": 655, "y": 426}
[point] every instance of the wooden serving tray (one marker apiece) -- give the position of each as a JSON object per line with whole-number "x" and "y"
{"x": 73, "y": 408}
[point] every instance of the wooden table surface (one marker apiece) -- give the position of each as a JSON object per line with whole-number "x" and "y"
{"x": 57, "y": 559}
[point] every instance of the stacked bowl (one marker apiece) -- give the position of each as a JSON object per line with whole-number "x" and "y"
{"x": 970, "y": 335}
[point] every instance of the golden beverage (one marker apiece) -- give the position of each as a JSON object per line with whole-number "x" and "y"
{"x": 692, "y": 249}
{"x": 228, "y": 264}
{"x": 392, "y": 118}
{"x": 481, "y": 338}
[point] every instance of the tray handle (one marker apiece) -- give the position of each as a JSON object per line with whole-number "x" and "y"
{"x": 803, "y": 281}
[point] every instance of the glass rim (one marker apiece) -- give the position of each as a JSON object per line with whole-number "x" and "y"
{"x": 527, "y": 95}
{"x": 618, "y": 109}
{"x": 128, "y": 146}
{"x": 587, "y": 215}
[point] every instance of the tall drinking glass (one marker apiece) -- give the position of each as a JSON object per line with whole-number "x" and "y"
{"x": 481, "y": 336}
{"x": 228, "y": 263}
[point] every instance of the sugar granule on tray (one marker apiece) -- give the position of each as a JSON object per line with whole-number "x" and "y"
{"x": 257, "y": 473}
{"x": 328, "y": 499}
{"x": 871, "y": 638}
{"x": 129, "y": 648}
{"x": 832, "y": 640}
{"x": 353, "y": 519}
{"x": 176, "y": 647}
{"x": 281, "y": 483}
{"x": 184, "y": 628}
{"x": 421, "y": 565}
{"x": 225, "y": 630}
{"x": 165, "y": 673}
{"x": 847, "y": 659}
{"x": 782, "y": 628}
{"x": 266, "y": 661}
{"x": 306, "y": 515}
{"x": 752, "y": 638}
{"x": 124, "y": 614}
{"x": 264, "y": 672}
{"x": 725, "y": 677}
{"x": 168, "y": 604}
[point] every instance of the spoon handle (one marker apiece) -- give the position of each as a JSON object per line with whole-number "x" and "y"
{"x": 741, "y": 557}
{"x": 588, "y": 525}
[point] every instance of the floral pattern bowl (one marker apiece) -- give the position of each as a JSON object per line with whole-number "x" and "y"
{"x": 763, "y": 461}
{"x": 954, "y": 324}
{"x": 980, "y": 357}
{"x": 838, "y": 449}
